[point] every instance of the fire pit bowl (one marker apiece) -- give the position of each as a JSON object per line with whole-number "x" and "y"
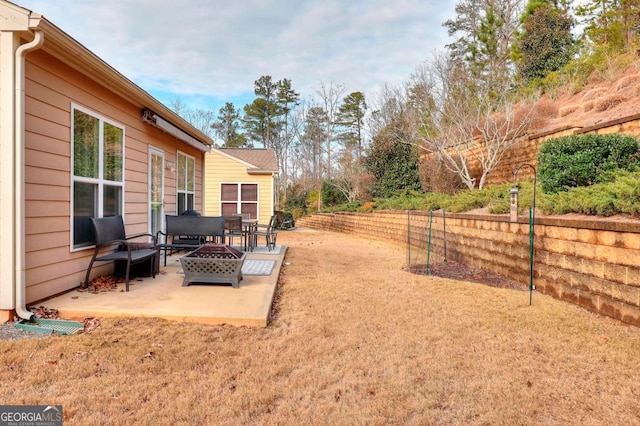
{"x": 213, "y": 264}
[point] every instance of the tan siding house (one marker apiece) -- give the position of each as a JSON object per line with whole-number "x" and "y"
{"x": 240, "y": 180}
{"x": 82, "y": 141}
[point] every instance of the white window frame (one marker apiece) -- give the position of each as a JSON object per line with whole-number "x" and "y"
{"x": 160, "y": 153}
{"x": 185, "y": 191}
{"x": 240, "y": 202}
{"x": 99, "y": 181}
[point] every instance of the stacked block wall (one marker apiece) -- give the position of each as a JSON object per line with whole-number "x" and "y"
{"x": 591, "y": 263}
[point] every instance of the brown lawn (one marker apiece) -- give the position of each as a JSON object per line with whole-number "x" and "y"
{"x": 356, "y": 340}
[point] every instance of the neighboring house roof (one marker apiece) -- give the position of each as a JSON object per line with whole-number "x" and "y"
{"x": 66, "y": 49}
{"x": 257, "y": 160}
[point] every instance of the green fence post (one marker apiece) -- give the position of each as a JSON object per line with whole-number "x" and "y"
{"x": 444, "y": 223}
{"x": 427, "y": 267}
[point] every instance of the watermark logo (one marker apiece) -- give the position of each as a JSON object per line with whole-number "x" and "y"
{"x": 30, "y": 415}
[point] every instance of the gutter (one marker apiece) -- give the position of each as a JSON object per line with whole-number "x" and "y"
{"x": 19, "y": 197}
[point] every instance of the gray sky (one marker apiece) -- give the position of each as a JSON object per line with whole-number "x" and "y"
{"x": 207, "y": 52}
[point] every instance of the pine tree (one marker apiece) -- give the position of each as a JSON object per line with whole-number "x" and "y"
{"x": 227, "y": 126}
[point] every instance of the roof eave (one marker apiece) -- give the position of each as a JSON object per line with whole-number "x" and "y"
{"x": 234, "y": 158}
{"x": 262, "y": 172}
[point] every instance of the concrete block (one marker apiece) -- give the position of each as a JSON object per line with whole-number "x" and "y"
{"x": 630, "y": 314}
{"x": 558, "y": 260}
{"x": 615, "y": 273}
{"x": 568, "y": 294}
{"x": 586, "y": 236}
{"x": 564, "y": 277}
{"x": 631, "y": 241}
{"x": 599, "y": 286}
{"x": 608, "y": 238}
{"x": 633, "y": 276}
{"x": 609, "y": 307}
{"x": 627, "y": 294}
{"x": 588, "y": 301}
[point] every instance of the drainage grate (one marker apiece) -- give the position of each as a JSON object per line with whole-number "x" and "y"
{"x": 48, "y": 326}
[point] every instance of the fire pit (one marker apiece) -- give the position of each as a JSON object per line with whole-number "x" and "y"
{"x": 212, "y": 264}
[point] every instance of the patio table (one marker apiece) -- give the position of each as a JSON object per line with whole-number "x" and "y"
{"x": 248, "y": 226}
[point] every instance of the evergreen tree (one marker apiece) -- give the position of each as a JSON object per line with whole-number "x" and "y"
{"x": 394, "y": 165}
{"x": 614, "y": 24}
{"x": 486, "y": 30}
{"x": 227, "y": 126}
{"x": 546, "y": 43}
{"x": 313, "y": 138}
{"x": 350, "y": 117}
{"x": 260, "y": 117}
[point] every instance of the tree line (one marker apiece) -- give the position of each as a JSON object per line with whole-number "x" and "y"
{"x": 470, "y": 102}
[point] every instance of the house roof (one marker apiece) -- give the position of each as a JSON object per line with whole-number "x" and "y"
{"x": 257, "y": 160}
{"x": 66, "y": 49}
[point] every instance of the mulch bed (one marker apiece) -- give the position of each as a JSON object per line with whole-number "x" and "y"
{"x": 461, "y": 272}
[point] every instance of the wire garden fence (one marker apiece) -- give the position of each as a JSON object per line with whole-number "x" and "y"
{"x": 427, "y": 240}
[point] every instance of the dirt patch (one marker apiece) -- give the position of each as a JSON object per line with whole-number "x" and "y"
{"x": 461, "y": 272}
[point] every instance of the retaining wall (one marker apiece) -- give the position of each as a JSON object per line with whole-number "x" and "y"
{"x": 591, "y": 263}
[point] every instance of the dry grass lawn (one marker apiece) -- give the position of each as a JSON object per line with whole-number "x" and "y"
{"x": 357, "y": 340}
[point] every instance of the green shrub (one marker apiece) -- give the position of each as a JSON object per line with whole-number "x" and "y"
{"x": 297, "y": 213}
{"x": 296, "y": 198}
{"x": 466, "y": 200}
{"x": 345, "y": 207}
{"x": 621, "y": 195}
{"x": 410, "y": 200}
{"x": 618, "y": 193}
{"x": 495, "y": 197}
{"x": 578, "y": 160}
{"x": 331, "y": 195}
{"x": 627, "y": 191}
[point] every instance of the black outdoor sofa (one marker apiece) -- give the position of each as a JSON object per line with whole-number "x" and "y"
{"x": 190, "y": 232}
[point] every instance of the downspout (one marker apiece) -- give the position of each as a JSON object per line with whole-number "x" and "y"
{"x": 19, "y": 111}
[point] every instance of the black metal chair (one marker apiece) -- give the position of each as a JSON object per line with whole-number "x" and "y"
{"x": 232, "y": 229}
{"x": 109, "y": 231}
{"x": 268, "y": 231}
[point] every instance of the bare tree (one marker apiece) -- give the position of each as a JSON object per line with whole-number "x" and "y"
{"x": 444, "y": 111}
{"x": 460, "y": 121}
{"x": 350, "y": 173}
{"x": 178, "y": 106}
{"x": 330, "y": 97}
{"x": 388, "y": 107}
{"x": 201, "y": 119}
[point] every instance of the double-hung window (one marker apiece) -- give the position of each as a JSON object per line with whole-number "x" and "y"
{"x": 239, "y": 198}
{"x": 97, "y": 170}
{"x": 186, "y": 182}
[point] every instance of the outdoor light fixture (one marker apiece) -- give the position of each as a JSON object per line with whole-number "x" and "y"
{"x": 513, "y": 204}
{"x": 159, "y": 122}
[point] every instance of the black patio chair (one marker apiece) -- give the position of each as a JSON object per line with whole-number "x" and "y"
{"x": 109, "y": 232}
{"x": 268, "y": 231}
{"x": 232, "y": 229}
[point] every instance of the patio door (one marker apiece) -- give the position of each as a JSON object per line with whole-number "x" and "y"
{"x": 156, "y": 190}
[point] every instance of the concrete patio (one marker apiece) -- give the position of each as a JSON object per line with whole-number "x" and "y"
{"x": 164, "y": 297}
